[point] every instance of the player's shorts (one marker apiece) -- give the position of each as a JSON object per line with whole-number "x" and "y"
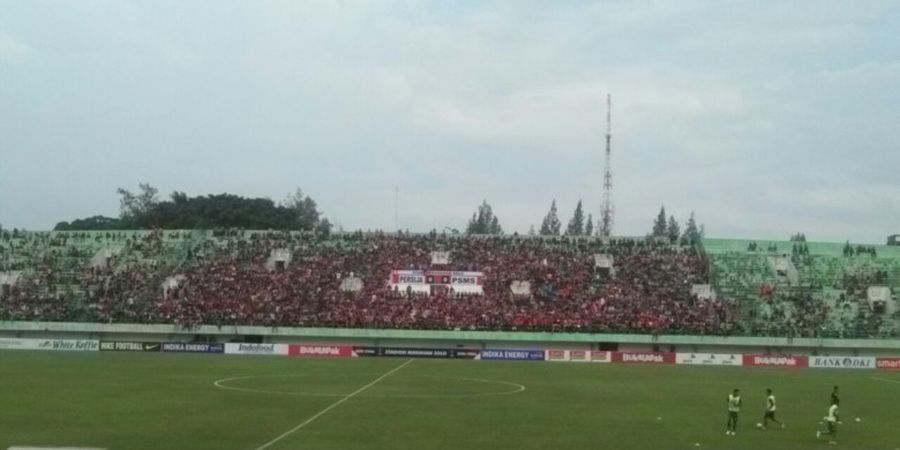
{"x": 733, "y": 414}
{"x": 832, "y": 426}
{"x": 770, "y": 415}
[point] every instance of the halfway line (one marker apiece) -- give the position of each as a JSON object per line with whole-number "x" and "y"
{"x": 332, "y": 406}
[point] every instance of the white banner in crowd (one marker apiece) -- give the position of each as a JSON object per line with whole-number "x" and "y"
{"x": 421, "y": 281}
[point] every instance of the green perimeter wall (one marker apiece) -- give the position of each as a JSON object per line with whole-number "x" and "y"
{"x": 449, "y": 338}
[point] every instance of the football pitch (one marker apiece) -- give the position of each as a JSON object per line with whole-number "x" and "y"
{"x": 123, "y": 401}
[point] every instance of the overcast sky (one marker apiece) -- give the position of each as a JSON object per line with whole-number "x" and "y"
{"x": 766, "y": 118}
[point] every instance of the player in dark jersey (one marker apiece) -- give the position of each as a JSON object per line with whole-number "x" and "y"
{"x": 834, "y": 396}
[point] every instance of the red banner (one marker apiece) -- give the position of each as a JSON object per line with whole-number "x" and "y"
{"x": 646, "y": 357}
{"x": 319, "y": 350}
{"x": 776, "y": 361}
{"x": 887, "y": 363}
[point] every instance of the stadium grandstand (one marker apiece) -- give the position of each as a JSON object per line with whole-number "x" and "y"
{"x": 450, "y": 282}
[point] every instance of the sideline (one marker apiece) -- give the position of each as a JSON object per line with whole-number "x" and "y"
{"x": 332, "y": 406}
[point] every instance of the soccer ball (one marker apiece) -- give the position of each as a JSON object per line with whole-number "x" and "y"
{"x": 858, "y": 419}
{"x": 758, "y": 425}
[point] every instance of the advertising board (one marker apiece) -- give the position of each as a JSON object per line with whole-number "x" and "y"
{"x": 234, "y": 348}
{"x": 842, "y": 362}
{"x": 415, "y": 352}
{"x": 513, "y": 355}
{"x": 579, "y": 355}
{"x": 466, "y": 353}
{"x": 319, "y": 350}
{"x": 887, "y": 363}
{"x": 122, "y": 346}
{"x": 366, "y": 351}
{"x": 557, "y": 355}
{"x": 20, "y": 344}
{"x": 575, "y": 355}
{"x": 709, "y": 359}
{"x": 643, "y": 357}
{"x": 63, "y": 345}
{"x": 776, "y": 361}
{"x": 193, "y": 347}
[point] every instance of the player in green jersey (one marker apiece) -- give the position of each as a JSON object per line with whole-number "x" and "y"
{"x": 770, "y": 410}
{"x": 734, "y": 408}
{"x": 831, "y": 421}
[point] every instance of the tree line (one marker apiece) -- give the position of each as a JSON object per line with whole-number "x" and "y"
{"x": 144, "y": 210}
{"x": 484, "y": 221}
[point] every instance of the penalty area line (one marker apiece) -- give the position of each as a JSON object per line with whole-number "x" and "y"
{"x": 332, "y": 406}
{"x": 886, "y": 380}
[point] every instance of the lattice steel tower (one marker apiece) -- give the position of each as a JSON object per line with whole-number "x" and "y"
{"x": 606, "y": 217}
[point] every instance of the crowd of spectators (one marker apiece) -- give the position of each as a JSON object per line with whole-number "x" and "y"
{"x": 227, "y": 278}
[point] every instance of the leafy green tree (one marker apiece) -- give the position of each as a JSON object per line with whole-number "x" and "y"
{"x": 484, "y": 221}
{"x": 576, "y": 224}
{"x": 207, "y": 212}
{"x": 589, "y": 226}
{"x": 134, "y": 205}
{"x": 91, "y": 223}
{"x": 551, "y": 225}
{"x": 304, "y": 209}
{"x": 324, "y": 227}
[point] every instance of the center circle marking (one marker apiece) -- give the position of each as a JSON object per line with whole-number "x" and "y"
{"x": 511, "y": 388}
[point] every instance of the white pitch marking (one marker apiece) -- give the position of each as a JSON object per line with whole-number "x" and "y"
{"x": 221, "y": 384}
{"x": 886, "y": 380}
{"x": 332, "y": 406}
{"x": 16, "y": 447}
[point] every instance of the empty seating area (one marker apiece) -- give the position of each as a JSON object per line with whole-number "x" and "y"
{"x": 829, "y": 298}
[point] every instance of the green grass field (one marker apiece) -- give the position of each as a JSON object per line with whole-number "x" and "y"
{"x": 122, "y": 401}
